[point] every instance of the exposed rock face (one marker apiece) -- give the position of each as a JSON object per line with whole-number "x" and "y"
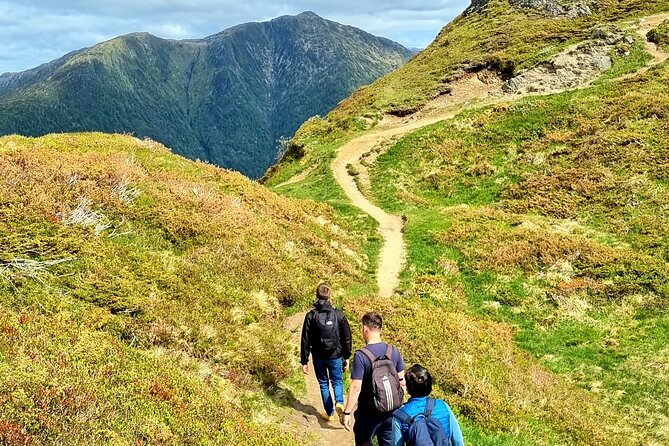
{"x": 553, "y": 8}
{"x": 569, "y": 69}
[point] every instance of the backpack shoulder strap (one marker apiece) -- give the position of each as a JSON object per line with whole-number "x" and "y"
{"x": 369, "y": 354}
{"x": 403, "y": 417}
{"x": 389, "y": 352}
{"x": 429, "y": 408}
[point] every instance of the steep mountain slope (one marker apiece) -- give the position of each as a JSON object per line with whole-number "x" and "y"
{"x": 225, "y": 99}
{"x": 142, "y": 294}
{"x": 536, "y": 280}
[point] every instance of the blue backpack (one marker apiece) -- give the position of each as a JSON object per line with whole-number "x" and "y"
{"x": 424, "y": 429}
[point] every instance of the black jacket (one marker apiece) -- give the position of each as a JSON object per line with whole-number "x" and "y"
{"x": 311, "y": 336}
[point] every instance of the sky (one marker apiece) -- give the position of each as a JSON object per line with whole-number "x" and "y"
{"x": 33, "y": 32}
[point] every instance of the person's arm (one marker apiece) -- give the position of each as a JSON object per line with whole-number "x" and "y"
{"x": 398, "y": 439}
{"x": 353, "y": 394}
{"x": 305, "y": 347}
{"x": 357, "y": 375}
{"x": 456, "y": 432}
{"x": 400, "y": 366}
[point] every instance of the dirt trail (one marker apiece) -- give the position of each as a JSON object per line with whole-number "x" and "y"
{"x": 307, "y": 411}
{"x": 393, "y": 252}
{"x": 645, "y": 27}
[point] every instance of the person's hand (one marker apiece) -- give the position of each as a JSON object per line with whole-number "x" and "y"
{"x": 305, "y": 369}
{"x": 347, "y": 364}
{"x": 346, "y": 422}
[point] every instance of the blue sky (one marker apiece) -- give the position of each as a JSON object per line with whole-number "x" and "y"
{"x": 37, "y": 31}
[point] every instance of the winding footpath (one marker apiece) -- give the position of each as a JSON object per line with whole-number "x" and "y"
{"x": 393, "y": 253}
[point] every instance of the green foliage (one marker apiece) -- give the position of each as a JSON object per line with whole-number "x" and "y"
{"x": 503, "y": 38}
{"x": 481, "y": 372}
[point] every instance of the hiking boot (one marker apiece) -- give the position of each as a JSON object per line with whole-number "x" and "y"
{"x": 328, "y": 418}
{"x": 340, "y": 412}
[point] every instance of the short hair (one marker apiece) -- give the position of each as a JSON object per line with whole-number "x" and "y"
{"x": 324, "y": 291}
{"x": 373, "y": 321}
{"x": 419, "y": 381}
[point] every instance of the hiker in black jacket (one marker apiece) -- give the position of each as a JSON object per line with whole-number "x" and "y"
{"x": 327, "y": 336}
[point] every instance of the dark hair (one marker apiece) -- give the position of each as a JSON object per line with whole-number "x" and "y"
{"x": 373, "y": 320}
{"x": 324, "y": 291}
{"x": 419, "y": 381}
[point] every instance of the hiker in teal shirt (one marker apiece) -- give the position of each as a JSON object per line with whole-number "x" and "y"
{"x": 419, "y": 386}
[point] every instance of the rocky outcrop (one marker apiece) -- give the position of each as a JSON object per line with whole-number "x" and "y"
{"x": 571, "y": 68}
{"x": 568, "y": 70}
{"x": 555, "y": 8}
{"x": 552, "y": 8}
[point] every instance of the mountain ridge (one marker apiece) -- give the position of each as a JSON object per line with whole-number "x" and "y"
{"x": 202, "y": 97}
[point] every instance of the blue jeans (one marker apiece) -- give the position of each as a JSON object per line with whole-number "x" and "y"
{"x": 330, "y": 370}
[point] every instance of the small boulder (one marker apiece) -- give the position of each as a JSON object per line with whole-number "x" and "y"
{"x": 513, "y": 85}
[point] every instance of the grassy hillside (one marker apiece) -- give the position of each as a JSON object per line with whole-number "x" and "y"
{"x": 226, "y": 99}
{"x": 536, "y": 285}
{"x": 142, "y": 295}
{"x": 550, "y": 215}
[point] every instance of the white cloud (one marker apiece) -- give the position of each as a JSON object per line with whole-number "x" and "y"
{"x": 37, "y": 31}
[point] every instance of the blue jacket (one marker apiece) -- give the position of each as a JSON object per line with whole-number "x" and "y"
{"x": 442, "y": 412}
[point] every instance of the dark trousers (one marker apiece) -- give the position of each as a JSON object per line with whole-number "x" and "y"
{"x": 369, "y": 424}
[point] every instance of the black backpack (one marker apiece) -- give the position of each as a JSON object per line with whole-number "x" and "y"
{"x": 387, "y": 391}
{"x": 424, "y": 429}
{"x": 327, "y": 324}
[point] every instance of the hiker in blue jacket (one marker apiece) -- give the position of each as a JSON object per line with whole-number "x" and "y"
{"x": 419, "y": 386}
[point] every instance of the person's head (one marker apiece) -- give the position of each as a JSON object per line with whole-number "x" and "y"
{"x": 372, "y": 323}
{"x": 324, "y": 292}
{"x": 419, "y": 381}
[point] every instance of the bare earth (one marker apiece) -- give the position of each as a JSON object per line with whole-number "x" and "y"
{"x": 393, "y": 252}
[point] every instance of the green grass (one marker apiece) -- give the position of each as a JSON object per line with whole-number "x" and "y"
{"x": 504, "y": 38}
{"x": 320, "y": 186}
{"x": 537, "y": 248}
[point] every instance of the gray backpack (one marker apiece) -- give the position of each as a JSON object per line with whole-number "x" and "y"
{"x": 387, "y": 392}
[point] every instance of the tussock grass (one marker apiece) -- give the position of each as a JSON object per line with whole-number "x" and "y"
{"x": 536, "y": 232}
{"x": 492, "y": 383}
